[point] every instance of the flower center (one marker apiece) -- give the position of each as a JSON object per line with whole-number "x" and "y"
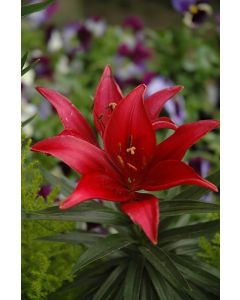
{"x": 193, "y": 9}
{"x": 112, "y": 105}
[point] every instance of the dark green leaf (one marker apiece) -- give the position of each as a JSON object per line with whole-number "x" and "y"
{"x": 196, "y": 192}
{"x": 133, "y": 279}
{"x": 84, "y": 212}
{"x": 173, "y": 208}
{"x": 192, "y": 270}
{"x": 66, "y": 186}
{"x": 101, "y": 249}
{"x": 165, "y": 266}
{"x": 23, "y": 60}
{"x": 32, "y": 8}
{"x": 106, "y": 289}
{"x": 31, "y": 66}
{"x": 158, "y": 283}
{"x": 24, "y": 123}
{"x": 188, "y": 232}
{"x": 74, "y": 237}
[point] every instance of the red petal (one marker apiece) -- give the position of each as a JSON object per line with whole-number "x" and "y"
{"x": 97, "y": 186}
{"x": 78, "y": 154}
{"x": 107, "y": 92}
{"x": 128, "y": 128}
{"x": 155, "y": 102}
{"x": 69, "y": 115}
{"x": 164, "y": 122}
{"x": 184, "y": 137}
{"x": 170, "y": 173}
{"x": 144, "y": 212}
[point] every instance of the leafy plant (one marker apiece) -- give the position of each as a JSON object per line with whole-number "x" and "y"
{"x": 125, "y": 265}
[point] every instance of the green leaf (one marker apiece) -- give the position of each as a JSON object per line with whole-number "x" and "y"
{"x": 65, "y": 185}
{"x": 196, "y": 192}
{"x": 188, "y": 232}
{"x": 173, "y": 208}
{"x": 158, "y": 282}
{"x": 101, "y": 249}
{"x": 32, "y": 8}
{"x": 24, "y": 123}
{"x": 23, "y": 60}
{"x": 106, "y": 290}
{"x": 84, "y": 212}
{"x": 31, "y": 66}
{"x": 165, "y": 266}
{"x": 193, "y": 271}
{"x": 133, "y": 279}
{"x": 74, "y": 237}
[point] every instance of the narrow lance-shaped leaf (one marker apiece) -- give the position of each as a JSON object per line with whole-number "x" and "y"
{"x": 106, "y": 289}
{"x": 101, "y": 249}
{"x": 188, "y": 232}
{"x": 74, "y": 237}
{"x": 31, "y": 66}
{"x": 174, "y": 208}
{"x": 85, "y": 212}
{"x": 32, "y": 8}
{"x": 164, "y": 265}
{"x": 133, "y": 279}
{"x": 24, "y": 123}
{"x": 23, "y": 60}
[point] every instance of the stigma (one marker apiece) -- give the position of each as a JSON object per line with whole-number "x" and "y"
{"x": 131, "y": 150}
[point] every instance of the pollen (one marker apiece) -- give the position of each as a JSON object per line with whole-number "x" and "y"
{"x": 132, "y": 167}
{"x": 193, "y": 9}
{"x": 112, "y": 105}
{"x": 131, "y": 150}
{"x": 120, "y": 160}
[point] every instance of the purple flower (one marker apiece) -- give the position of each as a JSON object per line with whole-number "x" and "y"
{"x": 176, "y": 106}
{"x": 43, "y": 68}
{"x": 195, "y": 11}
{"x": 40, "y": 17}
{"x": 134, "y": 23}
{"x": 182, "y": 5}
{"x": 138, "y": 53}
{"x": 200, "y": 165}
{"x": 44, "y": 192}
{"x": 85, "y": 37}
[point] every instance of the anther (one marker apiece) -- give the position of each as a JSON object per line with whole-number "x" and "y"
{"x": 132, "y": 167}
{"x": 112, "y": 105}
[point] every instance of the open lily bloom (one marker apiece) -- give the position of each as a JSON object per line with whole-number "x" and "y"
{"x": 131, "y": 160}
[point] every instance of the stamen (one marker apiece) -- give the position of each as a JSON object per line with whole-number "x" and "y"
{"x": 132, "y": 167}
{"x": 131, "y": 150}
{"x": 120, "y": 147}
{"x": 112, "y": 105}
{"x": 121, "y": 161}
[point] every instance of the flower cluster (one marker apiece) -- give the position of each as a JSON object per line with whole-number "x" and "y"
{"x": 131, "y": 162}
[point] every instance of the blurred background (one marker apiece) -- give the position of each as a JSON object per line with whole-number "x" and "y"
{"x": 159, "y": 43}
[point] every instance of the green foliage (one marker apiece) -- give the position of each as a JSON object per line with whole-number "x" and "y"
{"x": 44, "y": 265}
{"x": 210, "y": 250}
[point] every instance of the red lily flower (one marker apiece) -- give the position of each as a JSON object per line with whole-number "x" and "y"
{"x": 108, "y": 95}
{"x": 131, "y": 160}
